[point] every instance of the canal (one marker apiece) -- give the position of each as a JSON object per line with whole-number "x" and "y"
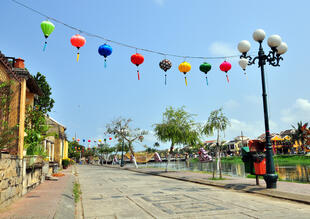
{"x": 297, "y": 173}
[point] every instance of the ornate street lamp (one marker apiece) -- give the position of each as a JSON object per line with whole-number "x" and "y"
{"x": 278, "y": 48}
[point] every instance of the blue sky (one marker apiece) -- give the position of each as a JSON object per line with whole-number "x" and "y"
{"x": 88, "y": 96}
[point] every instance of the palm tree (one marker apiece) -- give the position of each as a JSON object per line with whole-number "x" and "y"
{"x": 300, "y": 133}
{"x": 217, "y": 122}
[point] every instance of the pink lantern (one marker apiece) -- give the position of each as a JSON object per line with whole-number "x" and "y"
{"x": 225, "y": 66}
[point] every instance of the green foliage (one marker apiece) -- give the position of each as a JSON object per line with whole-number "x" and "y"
{"x": 65, "y": 163}
{"x": 301, "y": 133}
{"x": 178, "y": 127}
{"x": 77, "y": 192}
{"x": 36, "y": 130}
{"x": 72, "y": 153}
{"x": 217, "y": 121}
{"x": 7, "y": 134}
{"x": 121, "y": 130}
{"x": 44, "y": 102}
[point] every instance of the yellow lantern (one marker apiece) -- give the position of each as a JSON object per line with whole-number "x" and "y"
{"x": 99, "y": 140}
{"x": 185, "y": 67}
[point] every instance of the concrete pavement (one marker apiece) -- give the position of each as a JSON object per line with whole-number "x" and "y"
{"x": 51, "y": 199}
{"x": 117, "y": 193}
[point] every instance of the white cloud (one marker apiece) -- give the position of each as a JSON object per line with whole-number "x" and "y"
{"x": 159, "y": 2}
{"x": 299, "y": 111}
{"x": 231, "y": 104}
{"x": 254, "y": 99}
{"x": 222, "y": 49}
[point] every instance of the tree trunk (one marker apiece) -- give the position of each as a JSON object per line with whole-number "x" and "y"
{"x": 220, "y": 164}
{"x": 133, "y": 155}
{"x": 169, "y": 156}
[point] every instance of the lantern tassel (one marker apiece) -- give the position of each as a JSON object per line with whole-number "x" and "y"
{"x": 78, "y": 56}
{"x": 44, "y": 47}
{"x": 138, "y": 74}
{"x": 207, "y": 80}
{"x": 185, "y": 81}
{"x": 227, "y": 77}
{"x": 105, "y": 63}
{"x": 165, "y": 79}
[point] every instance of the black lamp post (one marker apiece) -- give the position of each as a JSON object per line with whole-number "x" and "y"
{"x": 273, "y": 58}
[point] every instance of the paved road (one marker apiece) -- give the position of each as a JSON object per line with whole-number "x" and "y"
{"x": 115, "y": 193}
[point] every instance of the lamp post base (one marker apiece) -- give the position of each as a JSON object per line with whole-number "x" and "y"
{"x": 271, "y": 180}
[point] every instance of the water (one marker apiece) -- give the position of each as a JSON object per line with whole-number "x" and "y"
{"x": 299, "y": 173}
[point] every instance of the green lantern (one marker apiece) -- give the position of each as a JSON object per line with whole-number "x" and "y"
{"x": 205, "y": 67}
{"x": 47, "y": 28}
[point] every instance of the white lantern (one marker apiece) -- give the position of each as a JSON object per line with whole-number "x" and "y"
{"x": 282, "y": 48}
{"x": 259, "y": 35}
{"x": 274, "y": 41}
{"x": 243, "y": 63}
{"x": 244, "y": 46}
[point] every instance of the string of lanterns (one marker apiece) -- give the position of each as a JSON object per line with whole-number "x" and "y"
{"x": 137, "y": 59}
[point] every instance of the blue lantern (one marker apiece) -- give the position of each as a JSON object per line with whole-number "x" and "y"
{"x": 105, "y": 50}
{"x": 83, "y": 140}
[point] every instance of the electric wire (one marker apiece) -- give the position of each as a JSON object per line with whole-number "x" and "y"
{"x": 120, "y": 43}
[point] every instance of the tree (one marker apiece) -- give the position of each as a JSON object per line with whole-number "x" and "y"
{"x": 44, "y": 102}
{"x": 217, "y": 122}
{"x": 72, "y": 153}
{"x": 36, "y": 129}
{"x": 177, "y": 127}
{"x": 300, "y": 134}
{"x": 106, "y": 150}
{"x": 122, "y": 131}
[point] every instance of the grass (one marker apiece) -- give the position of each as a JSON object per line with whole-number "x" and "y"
{"x": 77, "y": 192}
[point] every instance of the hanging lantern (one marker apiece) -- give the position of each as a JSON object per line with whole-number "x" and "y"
{"x": 243, "y": 64}
{"x": 165, "y": 65}
{"x": 137, "y": 59}
{"x": 110, "y": 138}
{"x": 78, "y": 41}
{"x": 105, "y": 50}
{"x": 205, "y": 67}
{"x": 83, "y": 140}
{"x": 73, "y": 138}
{"x": 100, "y": 140}
{"x": 89, "y": 140}
{"x": 47, "y": 28}
{"x": 225, "y": 66}
{"x": 78, "y": 139}
{"x": 185, "y": 67}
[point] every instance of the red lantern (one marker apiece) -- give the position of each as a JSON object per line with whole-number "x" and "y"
{"x": 78, "y": 41}
{"x": 137, "y": 59}
{"x": 225, "y": 66}
{"x": 78, "y": 139}
{"x": 88, "y": 140}
{"x": 110, "y": 138}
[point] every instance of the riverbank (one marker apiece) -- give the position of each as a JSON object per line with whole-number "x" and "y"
{"x": 279, "y": 159}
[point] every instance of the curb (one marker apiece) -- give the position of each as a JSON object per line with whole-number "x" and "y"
{"x": 260, "y": 191}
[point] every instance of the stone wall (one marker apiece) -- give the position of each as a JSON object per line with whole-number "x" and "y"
{"x": 16, "y": 179}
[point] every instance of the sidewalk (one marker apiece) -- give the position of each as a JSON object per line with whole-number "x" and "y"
{"x": 51, "y": 199}
{"x": 285, "y": 190}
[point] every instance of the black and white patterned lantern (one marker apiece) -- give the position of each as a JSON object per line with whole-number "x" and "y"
{"x": 165, "y": 65}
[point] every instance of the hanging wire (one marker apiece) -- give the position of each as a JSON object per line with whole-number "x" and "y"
{"x": 120, "y": 43}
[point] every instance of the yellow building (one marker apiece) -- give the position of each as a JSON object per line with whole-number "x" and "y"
{"x": 56, "y": 145}
{"x": 24, "y": 89}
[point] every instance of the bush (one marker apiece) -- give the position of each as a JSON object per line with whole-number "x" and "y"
{"x": 65, "y": 163}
